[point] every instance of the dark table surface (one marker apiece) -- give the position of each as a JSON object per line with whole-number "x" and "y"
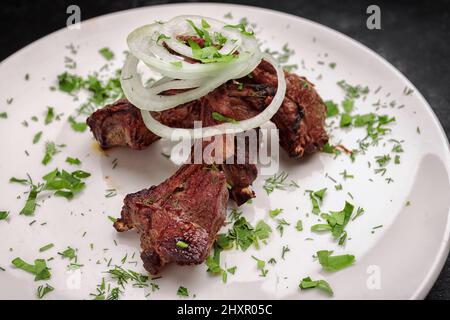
{"x": 414, "y": 38}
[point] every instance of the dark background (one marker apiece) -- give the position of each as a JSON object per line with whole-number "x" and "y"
{"x": 414, "y": 38}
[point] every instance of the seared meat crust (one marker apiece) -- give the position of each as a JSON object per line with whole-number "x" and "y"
{"x": 188, "y": 208}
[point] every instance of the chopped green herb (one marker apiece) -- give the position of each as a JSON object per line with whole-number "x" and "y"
{"x": 308, "y": 283}
{"x": 50, "y": 115}
{"x": 3, "y": 115}
{"x": 68, "y": 253}
{"x": 353, "y": 92}
{"x": 205, "y": 24}
{"x": 407, "y": 91}
{"x": 321, "y": 227}
{"x": 50, "y": 151}
{"x": 162, "y": 37}
{"x": 4, "y": 215}
{"x": 242, "y": 28}
{"x": 383, "y": 160}
{"x": 182, "y": 245}
{"x": 328, "y": 148}
{"x": 281, "y": 223}
{"x": 65, "y": 184}
{"x": 110, "y": 193}
{"x": 73, "y": 161}
{"x": 100, "y": 92}
{"x": 74, "y": 266}
{"x": 315, "y": 198}
{"x": 39, "y": 269}
{"x": 37, "y": 137}
{"x": 397, "y": 148}
{"x": 42, "y": 291}
{"x": 101, "y": 290}
{"x": 46, "y": 247}
{"x": 337, "y": 221}
{"x": 364, "y": 119}
{"x": 382, "y": 171}
{"x": 260, "y": 264}
{"x": 346, "y": 120}
{"x": 320, "y": 194}
{"x": 106, "y": 53}
{"x": 30, "y": 204}
{"x": 232, "y": 270}
{"x": 183, "y": 292}
{"x": 275, "y": 212}
{"x": 80, "y": 174}
{"x": 284, "y": 250}
{"x": 346, "y": 175}
{"x": 69, "y": 82}
{"x": 213, "y": 262}
{"x": 347, "y": 104}
{"x": 292, "y": 67}
{"x": 243, "y": 233}
{"x": 277, "y": 181}
{"x": 332, "y": 108}
{"x": 219, "y": 117}
{"x": 262, "y": 230}
{"x": 359, "y": 212}
{"x": 123, "y": 276}
{"x": 77, "y": 126}
{"x": 299, "y": 225}
{"x": 202, "y": 33}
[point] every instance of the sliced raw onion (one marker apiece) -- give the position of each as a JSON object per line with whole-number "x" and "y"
{"x": 157, "y": 46}
{"x": 149, "y": 99}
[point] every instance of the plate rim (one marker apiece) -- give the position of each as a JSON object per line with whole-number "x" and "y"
{"x": 439, "y": 261}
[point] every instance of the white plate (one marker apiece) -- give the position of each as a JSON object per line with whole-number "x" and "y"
{"x": 400, "y": 260}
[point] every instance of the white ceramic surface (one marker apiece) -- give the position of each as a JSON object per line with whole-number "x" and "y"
{"x": 407, "y": 253}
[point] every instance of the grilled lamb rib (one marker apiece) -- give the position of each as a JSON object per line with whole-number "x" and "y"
{"x": 120, "y": 124}
{"x": 300, "y": 118}
{"x": 178, "y": 220}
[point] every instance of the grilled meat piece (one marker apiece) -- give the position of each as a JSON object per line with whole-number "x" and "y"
{"x": 120, "y": 124}
{"x": 188, "y": 208}
{"x": 238, "y": 104}
{"x": 301, "y": 117}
